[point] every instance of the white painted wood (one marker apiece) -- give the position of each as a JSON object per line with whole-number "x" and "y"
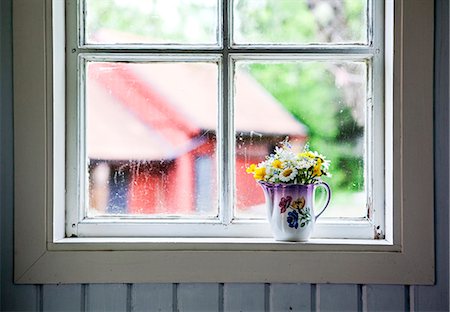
{"x": 110, "y": 227}
{"x": 244, "y": 297}
{"x": 219, "y": 244}
{"x": 152, "y": 297}
{"x": 12, "y": 297}
{"x": 60, "y": 298}
{"x": 58, "y": 89}
{"x": 413, "y": 202}
{"x": 106, "y": 297}
{"x": 290, "y": 297}
{"x": 339, "y": 297}
{"x": 385, "y": 298}
{"x": 198, "y": 297}
{"x": 28, "y": 109}
{"x": 437, "y": 298}
{"x": 225, "y": 266}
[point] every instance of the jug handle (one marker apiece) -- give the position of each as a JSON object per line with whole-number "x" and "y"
{"x": 328, "y": 190}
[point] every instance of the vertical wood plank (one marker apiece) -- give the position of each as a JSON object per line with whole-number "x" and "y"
{"x": 20, "y": 297}
{"x": 198, "y": 297}
{"x": 385, "y": 298}
{"x": 342, "y": 297}
{"x": 152, "y": 297}
{"x": 244, "y": 297}
{"x": 106, "y": 297}
{"x": 290, "y": 297}
{"x": 61, "y": 298}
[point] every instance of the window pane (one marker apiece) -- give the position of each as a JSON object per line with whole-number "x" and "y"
{"x": 322, "y": 103}
{"x": 151, "y": 138}
{"x": 151, "y": 22}
{"x": 300, "y": 21}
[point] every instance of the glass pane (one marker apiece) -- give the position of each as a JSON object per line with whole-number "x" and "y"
{"x": 151, "y": 21}
{"x": 151, "y": 138}
{"x": 322, "y": 103}
{"x": 300, "y": 21}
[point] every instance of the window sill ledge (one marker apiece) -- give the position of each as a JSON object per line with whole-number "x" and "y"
{"x": 219, "y": 244}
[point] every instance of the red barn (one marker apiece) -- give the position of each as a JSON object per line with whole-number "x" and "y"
{"x": 151, "y": 137}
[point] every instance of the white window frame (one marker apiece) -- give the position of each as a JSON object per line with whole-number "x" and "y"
{"x": 43, "y": 254}
{"x": 79, "y": 53}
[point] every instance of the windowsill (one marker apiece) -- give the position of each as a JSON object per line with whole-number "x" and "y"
{"x": 220, "y": 244}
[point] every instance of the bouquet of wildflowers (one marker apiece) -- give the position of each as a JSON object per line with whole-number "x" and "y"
{"x": 288, "y": 167}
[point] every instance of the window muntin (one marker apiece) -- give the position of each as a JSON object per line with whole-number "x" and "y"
{"x": 370, "y": 53}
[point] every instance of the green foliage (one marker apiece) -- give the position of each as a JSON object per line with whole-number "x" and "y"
{"x": 261, "y": 24}
{"x": 308, "y": 91}
{"x": 305, "y": 89}
{"x": 353, "y": 11}
{"x": 104, "y": 14}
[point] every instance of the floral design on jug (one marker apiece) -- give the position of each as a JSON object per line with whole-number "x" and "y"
{"x": 298, "y": 214}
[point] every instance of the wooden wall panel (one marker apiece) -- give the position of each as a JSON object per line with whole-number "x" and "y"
{"x": 198, "y": 297}
{"x": 60, "y": 298}
{"x": 386, "y": 298}
{"x": 244, "y": 297}
{"x": 152, "y": 297}
{"x": 20, "y": 297}
{"x": 106, "y": 297}
{"x": 338, "y": 297}
{"x": 290, "y": 297}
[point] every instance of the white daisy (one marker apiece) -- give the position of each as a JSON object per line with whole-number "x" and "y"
{"x": 288, "y": 174}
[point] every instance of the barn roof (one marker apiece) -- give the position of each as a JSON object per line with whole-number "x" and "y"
{"x": 156, "y": 110}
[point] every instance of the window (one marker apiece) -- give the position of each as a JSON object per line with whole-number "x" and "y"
{"x": 171, "y": 103}
{"x": 116, "y": 64}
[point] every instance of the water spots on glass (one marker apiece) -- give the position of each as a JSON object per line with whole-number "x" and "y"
{"x": 324, "y": 105}
{"x": 151, "y": 139}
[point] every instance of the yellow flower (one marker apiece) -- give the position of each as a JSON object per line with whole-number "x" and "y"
{"x": 317, "y": 168}
{"x": 251, "y": 169}
{"x": 307, "y": 154}
{"x": 277, "y": 164}
{"x": 259, "y": 173}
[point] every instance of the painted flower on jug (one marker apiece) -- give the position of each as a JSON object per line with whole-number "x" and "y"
{"x": 299, "y": 203}
{"x": 298, "y": 214}
{"x": 287, "y": 166}
{"x": 284, "y": 203}
{"x": 292, "y": 219}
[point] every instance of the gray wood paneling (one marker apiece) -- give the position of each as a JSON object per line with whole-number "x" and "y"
{"x": 386, "y": 298}
{"x": 244, "y": 297}
{"x": 106, "y": 297}
{"x": 290, "y": 297}
{"x": 152, "y": 297}
{"x": 62, "y": 298}
{"x": 332, "y": 297}
{"x": 198, "y": 297}
{"x": 20, "y": 298}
